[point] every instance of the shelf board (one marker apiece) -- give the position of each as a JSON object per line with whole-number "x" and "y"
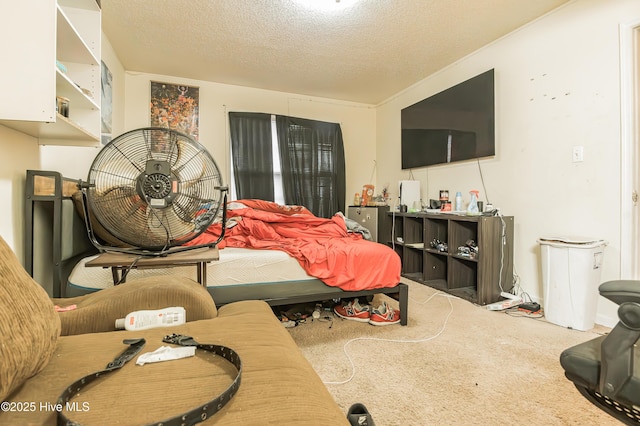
{"x": 93, "y": 5}
{"x": 467, "y": 258}
{"x": 415, "y": 276}
{"x": 61, "y": 132}
{"x": 68, "y": 89}
{"x": 415, "y": 245}
{"x": 70, "y": 46}
{"x": 467, "y": 293}
{"x": 437, "y": 284}
{"x": 438, "y": 252}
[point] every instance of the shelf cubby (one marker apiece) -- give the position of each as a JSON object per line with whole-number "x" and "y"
{"x": 435, "y": 229}
{"x": 413, "y": 230}
{"x": 462, "y": 273}
{"x": 412, "y": 262}
{"x": 435, "y": 267}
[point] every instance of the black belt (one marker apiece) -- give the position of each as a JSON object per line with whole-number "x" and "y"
{"x": 193, "y": 416}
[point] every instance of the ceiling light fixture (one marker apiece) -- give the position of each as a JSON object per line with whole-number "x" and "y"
{"x": 327, "y": 5}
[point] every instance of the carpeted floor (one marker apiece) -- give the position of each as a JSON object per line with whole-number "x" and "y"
{"x": 455, "y": 363}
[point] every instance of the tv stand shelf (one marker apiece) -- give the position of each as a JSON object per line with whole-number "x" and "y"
{"x": 477, "y": 278}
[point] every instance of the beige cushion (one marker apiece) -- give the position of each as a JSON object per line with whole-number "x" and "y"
{"x": 279, "y": 386}
{"x": 98, "y": 311}
{"x": 29, "y": 325}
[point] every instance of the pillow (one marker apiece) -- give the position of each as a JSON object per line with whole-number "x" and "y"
{"x": 29, "y": 325}
{"x": 99, "y": 231}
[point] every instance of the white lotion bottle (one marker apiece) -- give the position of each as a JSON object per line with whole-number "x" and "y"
{"x": 142, "y": 320}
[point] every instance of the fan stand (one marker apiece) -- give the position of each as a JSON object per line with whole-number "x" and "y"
{"x": 145, "y": 252}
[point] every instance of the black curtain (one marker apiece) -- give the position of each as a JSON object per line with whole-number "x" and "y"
{"x": 251, "y": 155}
{"x": 312, "y": 162}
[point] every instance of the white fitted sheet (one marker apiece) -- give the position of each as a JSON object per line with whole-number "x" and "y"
{"x": 236, "y": 266}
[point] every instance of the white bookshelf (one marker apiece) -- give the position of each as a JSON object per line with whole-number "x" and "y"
{"x": 38, "y": 33}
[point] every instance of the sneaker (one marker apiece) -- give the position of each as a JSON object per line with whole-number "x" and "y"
{"x": 384, "y": 315}
{"x": 358, "y": 415}
{"x": 353, "y": 311}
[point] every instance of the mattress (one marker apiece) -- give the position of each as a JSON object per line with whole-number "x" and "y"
{"x": 241, "y": 274}
{"x": 236, "y": 266}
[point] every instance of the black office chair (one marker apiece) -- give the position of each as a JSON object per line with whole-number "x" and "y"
{"x": 604, "y": 369}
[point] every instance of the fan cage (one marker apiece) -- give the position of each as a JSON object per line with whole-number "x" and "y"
{"x": 119, "y": 185}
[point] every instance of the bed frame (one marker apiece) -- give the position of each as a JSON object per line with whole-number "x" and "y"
{"x": 56, "y": 239}
{"x": 291, "y": 292}
{"x": 55, "y": 235}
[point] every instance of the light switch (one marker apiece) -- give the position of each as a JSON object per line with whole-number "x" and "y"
{"x": 578, "y": 154}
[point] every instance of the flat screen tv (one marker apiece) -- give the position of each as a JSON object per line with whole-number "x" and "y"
{"x": 457, "y": 124}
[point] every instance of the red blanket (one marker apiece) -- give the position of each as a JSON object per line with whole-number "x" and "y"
{"x": 323, "y": 247}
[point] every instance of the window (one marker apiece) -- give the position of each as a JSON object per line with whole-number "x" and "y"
{"x": 278, "y": 189}
{"x": 288, "y": 160}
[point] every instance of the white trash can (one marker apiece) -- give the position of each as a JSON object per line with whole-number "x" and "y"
{"x": 571, "y": 275}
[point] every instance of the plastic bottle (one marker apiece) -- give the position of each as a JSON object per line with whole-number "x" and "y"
{"x": 473, "y": 204}
{"x": 458, "y": 201}
{"x": 317, "y": 311}
{"x": 142, "y": 320}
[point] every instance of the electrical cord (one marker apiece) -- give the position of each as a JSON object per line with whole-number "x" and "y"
{"x": 517, "y": 289}
{"x": 377, "y": 339}
{"x": 484, "y": 188}
{"x": 503, "y": 230}
{"x": 373, "y": 171}
{"x": 525, "y": 297}
{"x": 325, "y": 317}
{"x": 393, "y": 230}
{"x": 393, "y": 225}
{"x": 161, "y": 224}
{"x": 515, "y": 285}
{"x": 126, "y": 270}
{"x": 503, "y": 241}
{"x": 517, "y": 312}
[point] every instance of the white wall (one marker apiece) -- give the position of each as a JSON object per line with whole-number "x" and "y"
{"x": 356, "y": 120}
{"x": 18, "y": 153}
{"x": 557, "y": 86}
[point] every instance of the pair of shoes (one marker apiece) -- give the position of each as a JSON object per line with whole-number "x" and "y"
{"x": 358, "y": 415}
{"x": 383, "y": 315}
{"x": 353, "y": 311}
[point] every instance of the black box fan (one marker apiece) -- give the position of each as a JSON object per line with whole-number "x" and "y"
{"x": 155, "y": 189}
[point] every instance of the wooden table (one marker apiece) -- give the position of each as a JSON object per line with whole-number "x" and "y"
{"x": 122, "y": 262}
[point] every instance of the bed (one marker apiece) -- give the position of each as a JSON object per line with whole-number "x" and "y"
{"x": 311, "y": 259}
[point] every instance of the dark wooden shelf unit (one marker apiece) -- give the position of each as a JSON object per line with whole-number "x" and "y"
{"x": 480, "y": 278}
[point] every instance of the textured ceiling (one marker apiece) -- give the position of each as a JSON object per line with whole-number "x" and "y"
{"x": 363, "y": 52}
